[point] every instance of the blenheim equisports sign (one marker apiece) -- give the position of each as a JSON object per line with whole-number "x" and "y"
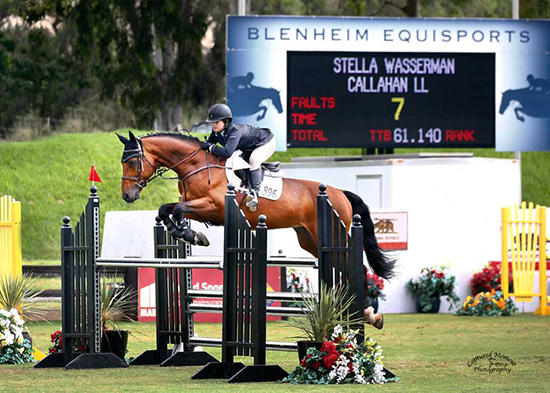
{"x": 364, "y": 82}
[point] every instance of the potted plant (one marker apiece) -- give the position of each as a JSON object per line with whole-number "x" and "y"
{"x": 321, "y": 316}
{"x": 428, "y": 288}
{"x": 16, "y": 292}
{"x": 491, "y": 303}
{"x": 488, "y": 279}
{"x": 116, "y": 305}
{"x": 373, "y": 290}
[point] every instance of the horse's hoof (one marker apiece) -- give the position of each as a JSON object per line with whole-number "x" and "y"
{"x": 379, "y": 324}
{"x": 201, "y": 239}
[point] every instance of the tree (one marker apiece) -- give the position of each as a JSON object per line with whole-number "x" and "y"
{"x": 147, "y": 54}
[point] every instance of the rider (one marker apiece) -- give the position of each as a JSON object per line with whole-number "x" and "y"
{"x": 538, "y": 84}
{"x": 257, "y": 143}
{"x": 241, "y": 82}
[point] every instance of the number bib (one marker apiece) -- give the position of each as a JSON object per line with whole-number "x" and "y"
{"x": 272, "y": 184}
{"x": 271, "y": 188}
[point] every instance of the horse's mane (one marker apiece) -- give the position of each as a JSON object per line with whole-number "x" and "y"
{"x": 173, "y": 135}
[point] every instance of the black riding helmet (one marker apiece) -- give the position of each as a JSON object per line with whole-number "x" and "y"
{"x": 219, "y": 112}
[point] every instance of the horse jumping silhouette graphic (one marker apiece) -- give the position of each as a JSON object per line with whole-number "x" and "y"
{"x": 247, "y": 101}
{"x": 534, "y": 101}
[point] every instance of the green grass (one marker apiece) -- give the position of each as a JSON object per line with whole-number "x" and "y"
{"x": 430, "y": 353}
{"x": 50, "y": 178}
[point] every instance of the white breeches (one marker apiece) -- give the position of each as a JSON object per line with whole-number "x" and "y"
{"x": 261, "y": 154}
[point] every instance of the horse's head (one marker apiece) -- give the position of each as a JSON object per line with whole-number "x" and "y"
{"x": 136, "y": 168}
{"x": 505, "y": 101}
{"x": 276, "y": 99}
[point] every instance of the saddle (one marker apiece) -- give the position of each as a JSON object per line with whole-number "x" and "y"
{"x": 237, "y": 174}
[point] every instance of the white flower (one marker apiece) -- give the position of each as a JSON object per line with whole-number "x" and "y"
{"x": 4, "y": 313}
{"x": 18, "y": 321}
{"x": 337, "y": 331}
{"x": 9, "y": 338}
{"x": 14, "y": 312}
{"x": 360, "y": 379}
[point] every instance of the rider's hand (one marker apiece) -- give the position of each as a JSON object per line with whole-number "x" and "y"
{"x": 206, "y": 145}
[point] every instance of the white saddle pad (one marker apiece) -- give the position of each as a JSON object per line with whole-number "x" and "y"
{"x": 272, "y": 184}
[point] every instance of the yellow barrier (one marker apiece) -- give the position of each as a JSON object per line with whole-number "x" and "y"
{"x": 10, "y": 236}
{"x": 523, "y": 244}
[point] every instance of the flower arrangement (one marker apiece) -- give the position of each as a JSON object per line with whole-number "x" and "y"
{"x": 341, "y": 360}
{"x": 433, "y": 282}
{"x": 375, "y": 285}
{"x": 57, "y": 340}
{"x": 14, "y": 349}
{"x": 490, "y": 303}
{"x": 297, "y": 281}
{"x": 487, "y": 280}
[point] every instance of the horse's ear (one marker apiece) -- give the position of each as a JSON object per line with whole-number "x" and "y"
{"x": 122, "y": 139}
{"x": 132, "y": 136}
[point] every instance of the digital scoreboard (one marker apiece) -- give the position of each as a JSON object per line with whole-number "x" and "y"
{"x": 389, "y": 100}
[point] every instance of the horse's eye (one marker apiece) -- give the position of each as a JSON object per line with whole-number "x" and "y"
{"x": 133, "y": 163}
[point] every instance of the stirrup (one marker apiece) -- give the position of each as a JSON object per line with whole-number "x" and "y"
{"x": 252, "y": 201}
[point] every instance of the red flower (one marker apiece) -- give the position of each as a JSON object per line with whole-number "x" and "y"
{"x": 303, "y": 362}
{"x": 328, "y": 347}
{"x": 330, "y": 360}
{"x": 316, "y": 365}
{"x": 350, "y": 367}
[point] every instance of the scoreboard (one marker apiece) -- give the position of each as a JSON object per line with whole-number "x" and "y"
{"x": 390, "y": 99}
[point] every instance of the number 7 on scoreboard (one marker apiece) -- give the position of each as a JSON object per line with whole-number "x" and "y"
{"x": 401, "y": 102}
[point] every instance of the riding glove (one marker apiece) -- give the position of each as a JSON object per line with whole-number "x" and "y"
{"x": 206, "y": 145}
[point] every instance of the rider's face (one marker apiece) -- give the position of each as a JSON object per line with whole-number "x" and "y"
{"x": 218, "y": 126}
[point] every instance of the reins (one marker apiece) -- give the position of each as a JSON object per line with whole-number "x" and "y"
{"x": 160, "y": 171}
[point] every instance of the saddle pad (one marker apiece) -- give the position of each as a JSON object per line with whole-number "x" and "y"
{"x": 271, "y": 187}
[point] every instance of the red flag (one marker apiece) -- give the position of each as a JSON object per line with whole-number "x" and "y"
{"x": 94, "y": 176}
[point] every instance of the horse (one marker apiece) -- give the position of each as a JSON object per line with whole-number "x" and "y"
{"x": 245, "y": 102}
{"x": 203, "y": 184}
{"x": 533, "y": 103}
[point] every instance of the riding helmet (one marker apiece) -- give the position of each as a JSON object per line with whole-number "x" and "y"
{"x": 219, "y": 112}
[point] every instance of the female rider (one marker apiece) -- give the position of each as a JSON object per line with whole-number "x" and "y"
{"x": 258, "y": 144}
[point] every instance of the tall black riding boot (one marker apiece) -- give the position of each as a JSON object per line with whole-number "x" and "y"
{"x": 255, "y": 178}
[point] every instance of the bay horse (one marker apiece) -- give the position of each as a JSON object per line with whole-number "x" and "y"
{"x": 203, "y": 184}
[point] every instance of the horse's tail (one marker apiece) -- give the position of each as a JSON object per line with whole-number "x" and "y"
{"x": 378, "y": 260}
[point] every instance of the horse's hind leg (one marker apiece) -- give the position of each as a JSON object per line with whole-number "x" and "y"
{"x": 177, "y": 227}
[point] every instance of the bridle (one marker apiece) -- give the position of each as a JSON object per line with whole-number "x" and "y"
{"x": 159, "y": 171}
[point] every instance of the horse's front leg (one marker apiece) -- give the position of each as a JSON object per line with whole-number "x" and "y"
{"x": 264, "y": 109}
{"x": 178, "y": 227}
{"x": 518, "y": 110}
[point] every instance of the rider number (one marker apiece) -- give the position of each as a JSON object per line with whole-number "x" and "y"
{"x": 269, "y": 192}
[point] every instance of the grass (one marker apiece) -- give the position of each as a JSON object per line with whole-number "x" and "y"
{"x": 430, "y": 353}
{"x": 50, "y": 178}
